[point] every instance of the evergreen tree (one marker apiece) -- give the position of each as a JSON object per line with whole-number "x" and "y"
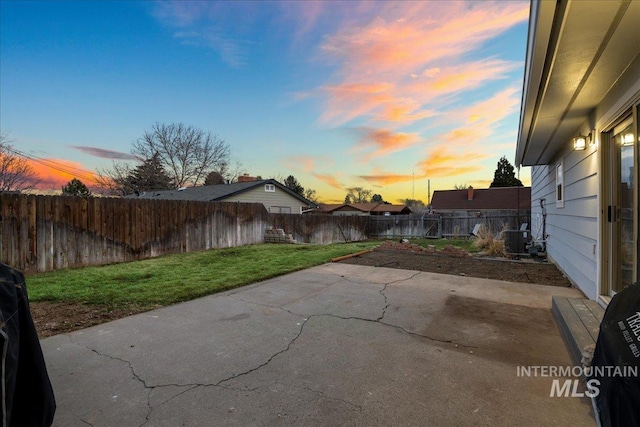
{"x": 292, "y": 184}
{"x": 148, "y": 176}
{"x": 214, "y": 178}
{"x": 504, "y": 175}
{"x": 75, "y": 187}
{"x": 377, "y": 198}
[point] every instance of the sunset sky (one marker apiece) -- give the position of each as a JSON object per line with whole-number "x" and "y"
{"x": 380, "y": 95}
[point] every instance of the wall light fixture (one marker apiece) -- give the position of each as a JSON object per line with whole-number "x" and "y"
{"x": 627, "y": 139}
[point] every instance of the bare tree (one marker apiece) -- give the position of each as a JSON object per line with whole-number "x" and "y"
{"x": 358, "y": 195}
{"x": 231, "y": 173}
{"x": 186, "y": 153}
{"x": 414, "y": 204}
{"x": 114, "y": 181}
{"x": 310, "y": 194}
{"x": 15, "y": 172}
{"x": 460, "y": 186}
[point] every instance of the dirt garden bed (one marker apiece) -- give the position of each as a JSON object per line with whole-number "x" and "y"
{"x": 458, "y": 262}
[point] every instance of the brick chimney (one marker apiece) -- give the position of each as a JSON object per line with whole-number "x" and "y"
{"x": 470, "y": 193}
{"x": 246, "y": 178}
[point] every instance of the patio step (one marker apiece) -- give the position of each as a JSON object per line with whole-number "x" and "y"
{"x": 579, "y": 323}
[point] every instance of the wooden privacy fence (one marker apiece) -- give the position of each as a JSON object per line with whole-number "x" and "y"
{"x": 42, "y": 233}
{"x": 390, "y": 227}
{"x": 495, "y": 221}
{"x": 322, "y": 229}
{"x": 444, "y": 225}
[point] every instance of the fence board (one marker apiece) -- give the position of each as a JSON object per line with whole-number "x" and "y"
{"x": 42, "y": 233}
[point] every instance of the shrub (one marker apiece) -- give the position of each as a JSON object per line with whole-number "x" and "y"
{"x": 488, "y": 243}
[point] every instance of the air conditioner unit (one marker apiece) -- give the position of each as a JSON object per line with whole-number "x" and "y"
{"x": 515, "y": 241}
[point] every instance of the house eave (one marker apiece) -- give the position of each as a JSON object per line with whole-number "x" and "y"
{"x": 577, "y": 52}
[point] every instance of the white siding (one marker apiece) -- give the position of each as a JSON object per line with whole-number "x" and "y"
{"x": 571, "y": 230}
{"x": 277, "y": 201}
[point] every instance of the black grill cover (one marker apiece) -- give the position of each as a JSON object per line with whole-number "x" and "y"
{"x": 618, "y": 346}
{"x": 27, "y": 396}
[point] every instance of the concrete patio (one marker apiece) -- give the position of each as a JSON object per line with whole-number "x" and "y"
{"x": 332, "y": 345}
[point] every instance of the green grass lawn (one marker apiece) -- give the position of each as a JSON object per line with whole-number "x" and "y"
{"x": 170, "y": 279}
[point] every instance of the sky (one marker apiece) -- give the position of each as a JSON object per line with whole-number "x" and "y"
{"x": 395, "y": 97}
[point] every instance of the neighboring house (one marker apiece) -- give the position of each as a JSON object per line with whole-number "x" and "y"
{"x": 579, "y": 131}
{"x": 363, "y": 209}
{"x": 275, "y": 197}
{"x": 474, "y": 201}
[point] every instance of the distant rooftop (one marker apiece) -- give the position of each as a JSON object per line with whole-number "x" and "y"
{"x": 484, "y": 198}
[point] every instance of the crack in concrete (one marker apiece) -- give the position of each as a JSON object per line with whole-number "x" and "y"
{"x": 377, "y": 320}
{"x": 135, "y": 375}
{"x": 221, "y": 383}
{"x": 400, "y": 328}
{"x": 384, "y": 289}
{"x": 270, "y": 358}
{"x": 386, "y": 302}
{"x": 148, "y": 387}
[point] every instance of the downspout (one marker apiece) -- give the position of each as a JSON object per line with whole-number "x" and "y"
{"x": 544, "y": 225}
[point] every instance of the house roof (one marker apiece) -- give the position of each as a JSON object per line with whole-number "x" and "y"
{"x": 365, "y": 207}
{"x": 486, "y": 198}
{"x": 383, "y": 207}
{"x": 577, "y": 53}
{"x": 216, "y": 193}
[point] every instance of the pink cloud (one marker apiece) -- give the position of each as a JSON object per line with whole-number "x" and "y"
{"x": 381, "y": 142}
{"x": 460, "y": 77}
{"x": 388, "y": 68}
{"x": 477, "y": 123}
{"x": 387, "y": 179}
{"x": 330, "y": 180}
{"x": 443, "y": 162}
{"x": 414, "y": 34}
{"x": 350, "y": 100}
{"x": 56, "y": 173}
{"x": 306, "y": 163}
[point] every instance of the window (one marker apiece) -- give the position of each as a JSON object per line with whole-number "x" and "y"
{"x": 280, "y": 209}
{"x": 269, "y": 188}
{"x": 560, "y": 185}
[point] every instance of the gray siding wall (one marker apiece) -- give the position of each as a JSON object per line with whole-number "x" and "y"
{"x": 275, "y": 202}
{"x": 572, "y": 230}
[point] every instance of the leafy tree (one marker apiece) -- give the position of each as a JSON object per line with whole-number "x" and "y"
{"x": 214, "y": 178}
{"x": 187, "y": 154}
{"x": 377, "y": 198}
{"x": 75, "y": 187}
{"x": 357, "y": 195}
{"x": 292, "y": 184}
{"x": 15, "y": 172}
{"x": 505, "y": 176}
